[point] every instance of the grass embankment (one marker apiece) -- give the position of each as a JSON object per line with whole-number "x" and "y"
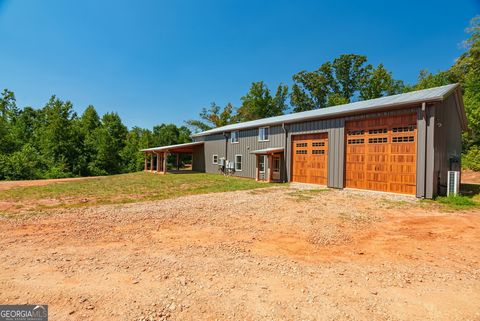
{"x": 118, "y": 189}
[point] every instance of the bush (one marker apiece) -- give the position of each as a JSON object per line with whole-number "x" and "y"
{"x": 23, "y": 164}
{"x": 471, "y": 159}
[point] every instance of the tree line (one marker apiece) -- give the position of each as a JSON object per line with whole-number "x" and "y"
{"x": 54, "y": 141}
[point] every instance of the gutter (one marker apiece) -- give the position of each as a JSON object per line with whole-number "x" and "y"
{"x": 226, "y": 146}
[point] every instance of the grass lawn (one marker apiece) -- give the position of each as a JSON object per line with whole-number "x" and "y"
{"x": 125, "y": 188}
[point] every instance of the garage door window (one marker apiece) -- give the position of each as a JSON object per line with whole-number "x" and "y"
{"x": 403, "y": 139}
{"x": 403, "y": 129}
{"x": 379, "y": 140}
{"x": 355, "y": 141}
{"x": 377, "y": 131}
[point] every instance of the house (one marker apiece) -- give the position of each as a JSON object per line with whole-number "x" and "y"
{"x": 404, "y": 144}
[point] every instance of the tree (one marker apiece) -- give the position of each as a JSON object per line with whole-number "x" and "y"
{"x": 87, "y": 125}
{"x": 378, "y": 83}
{"x": 350, "y": 73}
{"x": 56, "y": 137}
{"x": 213, "y": 117}
{"x": 311, "y": 89}
{"x": 137, "y": 139}
{"x": 259, "y": 103}
{"x": 428, "y": 80}
{"x": 26, "y": 125}
{"x": 23, "y": 164}
{"x": 341, "y": 81}
{"x": 109, "y": 142}
{"x": 170, "y": 134}
{"x": 8, "y": 112}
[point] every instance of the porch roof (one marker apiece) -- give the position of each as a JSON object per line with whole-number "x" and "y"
{"x": 270, "y": 150}
{"x": 179, "y": 148}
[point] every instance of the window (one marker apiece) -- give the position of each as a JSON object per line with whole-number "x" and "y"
{"x": 301, "y": 145}
{"x": 377, "y": 131}
{"x": 215, "y": 159}
{"x": 379, "y": 140}
{"x": 263, "y": 134}
{"x": 318, "y": 144}
{"x": 318, "y": 151}
{"x": 234, "y": 137}
{"x": 261, "y": 163}
{"x": 301, "y": 151}
{"x": 403, "y": 139}
{"x": 238, "y": 163}
{"x": 355, "y": 141}
{"x": 356, "y": 132}
{"x": 403, "y": 129}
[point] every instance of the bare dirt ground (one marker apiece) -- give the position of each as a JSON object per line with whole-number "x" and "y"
{"x": 39, "y": 182}
{"x": 470, "y": 177}
{"x": 268, "y": 254}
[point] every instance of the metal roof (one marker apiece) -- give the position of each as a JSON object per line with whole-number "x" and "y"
{"x": 267, "y": 150}
{"x": 171, "y": 147}
{"x": 419, "y": 96}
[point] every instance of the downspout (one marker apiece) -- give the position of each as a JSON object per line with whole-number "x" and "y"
{"x": 285, "y": 150}
{"x": 424, "y": 115}
{"x": 226, "y": 146}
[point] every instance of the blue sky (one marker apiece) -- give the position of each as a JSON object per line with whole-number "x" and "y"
{"x": 162, "y": 61}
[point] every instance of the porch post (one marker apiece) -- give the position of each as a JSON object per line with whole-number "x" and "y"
{"x": 158, "y": 162}
{"x": 269, "y": 178}
{"x": 178, "y": 161}
{"x": 151, "y": 163}
{"x": 164, "y": 169}
{"x": 256, "y": 168}
{"x": 145, "y": 158}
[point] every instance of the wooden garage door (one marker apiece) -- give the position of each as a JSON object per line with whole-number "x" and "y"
{"x": 309, "y": 158}
{"x": 381, "y": 154}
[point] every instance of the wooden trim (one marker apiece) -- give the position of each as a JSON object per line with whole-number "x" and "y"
{"x": 270, "y": 171}
{"x": 164, "y": 167}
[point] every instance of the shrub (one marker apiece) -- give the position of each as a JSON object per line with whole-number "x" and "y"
{"x": 471, "y": 159}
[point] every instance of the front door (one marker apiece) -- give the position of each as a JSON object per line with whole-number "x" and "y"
{"x": 276, "y": 167}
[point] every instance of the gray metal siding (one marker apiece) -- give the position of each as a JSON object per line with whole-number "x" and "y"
{"x": 435, "y": 145}
{"x": 336, "y": 149}
{"x": 213, "y": 144}
{"x": 448, "y": 142}
{"x": 248, "y": 142}
{"x": 421, "y": 155}
{"x": 198, "y": 158}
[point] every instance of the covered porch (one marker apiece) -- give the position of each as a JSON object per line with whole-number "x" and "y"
{"x": 156, "y": 158}
{"x": 269, "y": 164}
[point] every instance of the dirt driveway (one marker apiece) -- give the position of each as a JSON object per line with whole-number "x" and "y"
{"x": 268, "y": 254}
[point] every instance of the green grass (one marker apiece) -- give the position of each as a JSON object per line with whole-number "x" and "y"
{"x": 457, "y": 202}
{"x": 125, "y": 188}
